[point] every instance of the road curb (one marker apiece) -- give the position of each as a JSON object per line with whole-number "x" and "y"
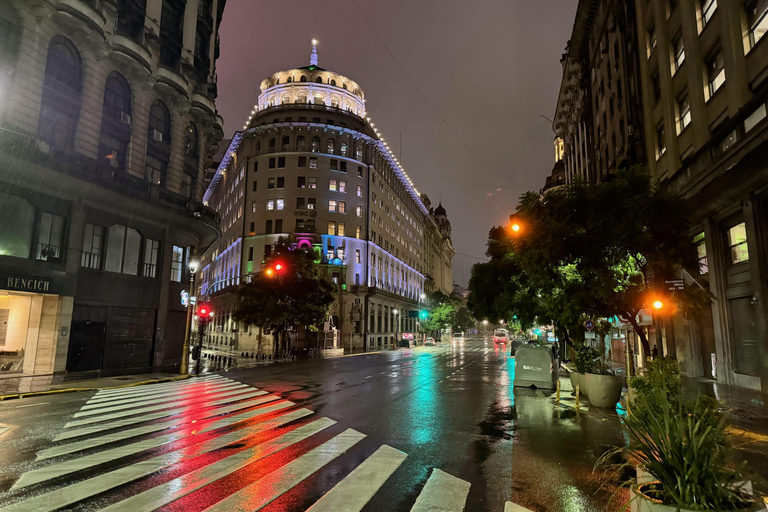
{"x": 353, "y": 355}
{"x": 73, "y": 390}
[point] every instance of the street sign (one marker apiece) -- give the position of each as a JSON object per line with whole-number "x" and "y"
{"x": 590, "y": 336}
{"x": 589, "y": 324}
{"x": 184, "y": 298}
{"x": 675, "y": 285}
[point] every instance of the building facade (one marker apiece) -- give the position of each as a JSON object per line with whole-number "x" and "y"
{"x": 108, "y": 117}
{"x": 704, "y": 67}
{"x": 599, "y": 113}
{"x": 311, "y": 168}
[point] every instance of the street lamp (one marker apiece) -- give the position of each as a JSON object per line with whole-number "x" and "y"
{"x": 396, "y": 312}
{"x": 485, "y": 327}
{"x": 184, "y": 366}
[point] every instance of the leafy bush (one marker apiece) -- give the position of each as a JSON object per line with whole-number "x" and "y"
{"x": 661, "y": 376}
{"x": 587, "y": 359}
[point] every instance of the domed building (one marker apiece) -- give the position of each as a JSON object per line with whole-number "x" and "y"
{"x": 310, "y": 167}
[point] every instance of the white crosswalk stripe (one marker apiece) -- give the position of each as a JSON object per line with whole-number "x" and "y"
{"x": 132, "y": 390}
{"x": 172, "y": 429}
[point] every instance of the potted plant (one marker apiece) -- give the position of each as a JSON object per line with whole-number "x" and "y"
{"x": 585, "y": 358}
{"x": 680, "y": 447}
{"x": 602, "y": 388}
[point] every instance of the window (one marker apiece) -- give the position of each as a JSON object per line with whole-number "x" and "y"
{"x": 93, "y": 242}
{"x": 737, "y": 243}
{"x": 154, "y": 170}
{"x": 701, "y": 253}
{"x": 62, "y": 91}
{"x": 299, "y": 226}
{"x": 279, "y": 226}
{"x": 272, "y": 142}
{"x": 286, "y": 142}
{"x": 270, "y": 183}
{"x": 684, "y": 109}
{"x": 301, "y": 203}
{"x": 330, "y": 146}
{"x": 357, "y": 256}
{"x": 310, "y": 225}
{"x": 359, "y": 152}
{"x": 312, "y": 182}
{"x": 344, "y": 149}
{"x": 678, "y": 47}
{"x": 302, "y": 161}
{"x": 270, "y": 204}
{"x": 280, "y": 204}
{"x": 255, "y": 188}
{"x": 359, "y": 171}
{"x": 652, "y": 39}
{"x": 357, "y": 232}
{"x": 757, "y": 18}
{"x": 49, "y": 238}
{"x": 359, "y": 191}
{"x": 332, "y": 186}
{"x": 158, "y": 148}
{"x": 281, "y": 182}
{"x": 708, "y": 8}
{"x": 151, "y": 253}
{"x": 311, "y": 203}
{"x": 715, "y": 72}
{"x": 661, "y": 143}
{"x": 656, "y": 86}
{"x": 268, "y": 227}
{"x": 159, "y": 123}
{"x": 250, "y": 253}
{"x": 256, "y": 166}
{"x": 281, "y": 162}
{"x": 191, "y": 147}
{"x": 115, "y": 121}
{"x": 342, "y": 207}
{"x": 315, "y": 144}
{"x": 343, "y": 167}
{"x": 253, "y": 207}
{"x": 359, "y": 210}
{"x": 301, "y": 143}
{"x": 313, "y": 162}
{"x": 754, "y": 118}
{"x": 301, "y": 182}
{"x": 177, "y": 260}
{"x": 341, "y": 229}
{"x": 331, "y": 228}
{"x": 343, "y": 186}
{"x": 332, "y": 205}
{"x": 272, "y": 163}
{"x": 334, "y": 164}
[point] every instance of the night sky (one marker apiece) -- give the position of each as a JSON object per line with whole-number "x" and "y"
{"x": 464, "y": 82}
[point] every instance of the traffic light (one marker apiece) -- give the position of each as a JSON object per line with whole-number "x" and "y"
{"x": 204, "y": 312}
{"x": 423, "y": 314}
{"x": 277, "y": 268}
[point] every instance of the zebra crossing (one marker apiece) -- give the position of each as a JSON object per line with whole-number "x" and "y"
{"x": 172, "y": 434}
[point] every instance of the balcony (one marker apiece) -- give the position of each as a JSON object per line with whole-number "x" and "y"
{"x": 171, "y": 80}
{"x": 80, "y": 14}
{"x": 307, "y": 106}
{"x": 130, "y": 49}
{"x": 203, "y": 105}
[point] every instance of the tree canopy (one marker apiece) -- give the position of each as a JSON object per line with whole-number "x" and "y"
{"x": 295, "y": 294}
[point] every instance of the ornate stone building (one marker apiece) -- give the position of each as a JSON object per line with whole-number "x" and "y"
{"x": 310, "y": 167}
{"x": 107, "y": 118}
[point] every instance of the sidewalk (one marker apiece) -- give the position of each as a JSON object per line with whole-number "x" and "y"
{"x": 17, "y": 387}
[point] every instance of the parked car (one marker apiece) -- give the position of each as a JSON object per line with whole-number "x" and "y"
{"x": 429, "y": 342}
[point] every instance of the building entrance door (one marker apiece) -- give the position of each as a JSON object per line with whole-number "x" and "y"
{"x": 745, "y": 336}
{"x": 86, "y": 346}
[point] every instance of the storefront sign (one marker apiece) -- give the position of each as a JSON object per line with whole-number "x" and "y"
{"x": 26, "y": 284}
{"x": 407, "y": 335}
{"x": 184, "y": 298}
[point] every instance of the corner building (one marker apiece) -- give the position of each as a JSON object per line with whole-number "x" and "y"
{"x": 107, "y": 118}
{"x": 310, "y": 167}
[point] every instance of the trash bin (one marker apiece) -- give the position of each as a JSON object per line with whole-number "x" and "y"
{"x": 536, "y": 366}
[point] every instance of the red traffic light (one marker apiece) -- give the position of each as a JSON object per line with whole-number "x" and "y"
{"x": 278, "y": 266}
{"x": 204, "y": 311}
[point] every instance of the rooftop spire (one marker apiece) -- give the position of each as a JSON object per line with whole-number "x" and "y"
{"x": 313, "y": 55}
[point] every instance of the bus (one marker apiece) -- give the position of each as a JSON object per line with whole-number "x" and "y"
{"x": 500, "y": 336}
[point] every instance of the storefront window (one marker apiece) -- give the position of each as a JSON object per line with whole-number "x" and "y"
{"x": 18, "y": 222}
{"x": 123, "y": 250}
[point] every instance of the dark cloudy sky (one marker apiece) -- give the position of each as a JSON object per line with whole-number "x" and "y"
{"x": 464, "y": 81}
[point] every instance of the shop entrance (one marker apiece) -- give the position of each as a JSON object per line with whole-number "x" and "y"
{"x": 86, "y": 346}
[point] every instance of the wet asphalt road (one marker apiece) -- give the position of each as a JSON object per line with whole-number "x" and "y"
{"x": 450, "y": 407}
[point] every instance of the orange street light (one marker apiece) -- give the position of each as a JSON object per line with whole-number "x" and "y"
{"x": 515, "y": 227}
{"x": 658, "y": 304}
{"x": 269, "y": 272}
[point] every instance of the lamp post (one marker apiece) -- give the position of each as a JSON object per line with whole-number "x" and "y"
{"x": 422, "y": 297}
{"x": 184, "y": 366}
{"x": 396, "y": 312}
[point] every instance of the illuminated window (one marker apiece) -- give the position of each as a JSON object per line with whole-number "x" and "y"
{"x": 332, "y": 186}
{"x": 357, "y": 256}
{"x": 343, "y": 186}
{"x": 331, "y": 146}
{"x": 737, "y": 243}
{"x": 359, "y": 210}
{"x": 715, "y": 72}
{"x": 280, "y": 204}
{"x": 311, "y": 203}
{"x": 701, "y": 253}
{"x": 342, "y": 207}
{"x": 331, "y": 228}
{"x": 344, "y": 149}
{"x": 312, "y": 182}
{"x": 757, "y": 18}
{"x": 357, "y": 232}
{"x": 359, "y": 191}
{"x": 270, "y": 204}
{"x": 341, "y": 229}
{"x": 708, "y": 8}
{"x": 661, "y": 143}
{"x": 684, "y": 109}
{"x": 332, "y": 206}
{"x": 313, "y": 162}
{"x": 315, "y": 146}
{"x": 679, "y": 51}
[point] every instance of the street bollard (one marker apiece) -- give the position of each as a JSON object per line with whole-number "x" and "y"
{"x": 557, "y": 399}
{"x": 577, "y": 396}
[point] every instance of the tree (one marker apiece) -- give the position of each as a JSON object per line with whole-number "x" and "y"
{"x": 463, "y": 320}
{"x": 606, "y": 249}
{"x": 442, "y": 311}
{"x": 288, "y": 291}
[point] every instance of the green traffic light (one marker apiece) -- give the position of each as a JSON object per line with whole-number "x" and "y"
{"x": 423, "y": 314}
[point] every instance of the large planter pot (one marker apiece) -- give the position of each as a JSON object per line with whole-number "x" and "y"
{"x": 603, "y": 390}
{"x": 577, "y": 379}
{"x": 642, "y": 503}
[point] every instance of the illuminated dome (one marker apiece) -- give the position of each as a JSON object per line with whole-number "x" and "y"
{"x": 314, "y": 85}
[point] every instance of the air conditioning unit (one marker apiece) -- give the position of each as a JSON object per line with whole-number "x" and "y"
{"x": 112, "y": 158}
{"x": 157, "y": 136}
{"x": 125, "y": 118}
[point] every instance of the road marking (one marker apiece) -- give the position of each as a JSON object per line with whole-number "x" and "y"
{"x": 148, "y": 429}
{"x": 264, "y": 491}
{"x": 96, "y": 459}
{"x": 151, "y": 387}
{"x": 168, "y": 492}
{"x": 443, "y": 492}
{"x": 31, "y": 405}
{"x": 115, "y": 400}
{"x": 78, "y": 492}
{"x": 3, "y": 430}
{"x": 142, "y": 410}
{"x": 357, "y": 488}
{"x": 368, "y": 377}
{"x": 68, "y": 434}
{"x": 230, "y": 390}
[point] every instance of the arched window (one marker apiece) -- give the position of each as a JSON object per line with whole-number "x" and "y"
{"x": 333, "y": 83}
{"x": 285, "y": 99}
{"x": 301, "y": 143}
{"x": 344, "y": 149}
{"x": 10, "y": 27}
{"x": 319, "y": 80}
{"x": 315, "y": 144}
{"x": 301, "y": 97}
{"x": 115, "y": 121}
{"x": 62, "y": 90}
{"x": 286, "y": 142}
{"x": 335, "y": 102}
{"x": 272, "y": 144}
{"x": 303, "y": 78}
{"x": 344, "y": 85}
{"x": 159, "y": 146}
{"x": 191, "y": 147}
{"x": 191, "y": 161}
{"x": 290, "y": 79}
{"x": 359, "y": 152}
{"x": 331, "y": 146}
{"x": 319, "y": 99}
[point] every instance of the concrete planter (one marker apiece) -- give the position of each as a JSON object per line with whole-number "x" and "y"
{"x": 642, "y": 503}
{"x": 578, "y": 379}
{"x": 603, "y": 390}
{"x": 331, "y": 352}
